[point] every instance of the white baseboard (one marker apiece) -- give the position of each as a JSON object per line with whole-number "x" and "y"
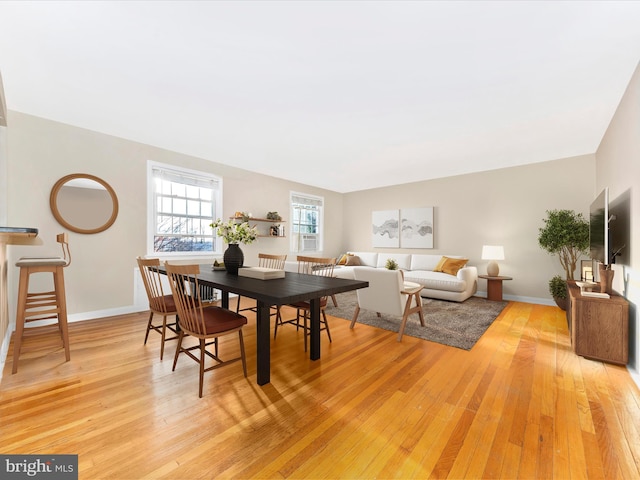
{"x": 518, "y": 298}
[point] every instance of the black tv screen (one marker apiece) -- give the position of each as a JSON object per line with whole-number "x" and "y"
{"x": 599, "y": 228}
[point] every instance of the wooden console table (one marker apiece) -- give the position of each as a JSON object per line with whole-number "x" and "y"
{"x": 599, "y": 327}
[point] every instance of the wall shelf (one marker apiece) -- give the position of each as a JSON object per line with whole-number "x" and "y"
{"x": 264, "y": 221}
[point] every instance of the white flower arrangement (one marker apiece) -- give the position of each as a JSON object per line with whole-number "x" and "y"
{"x": 233, "y": 232}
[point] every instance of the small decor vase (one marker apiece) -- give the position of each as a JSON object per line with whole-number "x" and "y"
{"x": 606, "y": 280}
{"x": 233, "y": 258}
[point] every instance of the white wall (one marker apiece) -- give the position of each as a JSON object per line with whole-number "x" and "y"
{"x": 499, "y": 207}
{"x": 100, "y": 281}
{"x": 618, "y": 167}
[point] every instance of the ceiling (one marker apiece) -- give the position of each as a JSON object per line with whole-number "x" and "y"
{"x": 341, "y": 95}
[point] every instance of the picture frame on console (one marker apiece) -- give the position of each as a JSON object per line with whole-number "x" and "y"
{"x": 586, "y": 270}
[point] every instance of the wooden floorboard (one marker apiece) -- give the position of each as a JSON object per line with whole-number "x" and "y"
{"x": 520, "y": 404}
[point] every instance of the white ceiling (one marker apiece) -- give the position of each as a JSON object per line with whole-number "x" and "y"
{"x": 341, "y": 95}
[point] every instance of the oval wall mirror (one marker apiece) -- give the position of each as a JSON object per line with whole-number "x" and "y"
{"x": 84, "y": 203}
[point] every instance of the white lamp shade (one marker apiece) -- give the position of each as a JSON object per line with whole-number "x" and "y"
{"x": 493, "y": 253}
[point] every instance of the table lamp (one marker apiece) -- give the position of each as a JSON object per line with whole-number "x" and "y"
{"x": 492, "y": 253}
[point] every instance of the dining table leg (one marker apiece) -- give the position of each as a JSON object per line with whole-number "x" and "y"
{"x": 315, "y": 328}
{"x": 263, "y": 343}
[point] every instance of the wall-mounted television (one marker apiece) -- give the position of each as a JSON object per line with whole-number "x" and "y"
{"x": 599, "y": 228}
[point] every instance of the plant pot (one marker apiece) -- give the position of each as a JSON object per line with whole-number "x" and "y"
{"x": 561, "y": 302}
{"x": 233, "y": 258}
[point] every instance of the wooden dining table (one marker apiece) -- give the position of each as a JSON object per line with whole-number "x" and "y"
{"x": 294, "y": 287}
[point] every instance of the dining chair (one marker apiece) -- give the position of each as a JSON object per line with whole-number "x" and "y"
{"x": 160, "y": 303}
{"x": 265, "y": 260}
{"x": 388, "y": 293}
{"x": 36, "y": 306}
{"x": 310, "y": 266}
{"x": 206, "y": 323}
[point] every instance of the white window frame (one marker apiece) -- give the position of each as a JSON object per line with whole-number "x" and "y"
{"x": 311, "y": 200}
{"x": 218, "y": 246}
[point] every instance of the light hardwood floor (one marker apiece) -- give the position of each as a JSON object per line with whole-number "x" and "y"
{"x": 520, "y": 404}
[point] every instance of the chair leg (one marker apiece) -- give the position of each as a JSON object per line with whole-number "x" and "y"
{"x": 238, "y": 304}
{"x": 306, "y": 330}
{"x": 178, "y": 348}
{"x": 355, "y": 316}
{"x": 164, "y": 331}
{"x": 22, "y": 304}
{"x": 243, "y": 356}
{"x": 61, "y": 299}
{"x": 146, "y": 337}
{"x": 275, "y": 330}
{"x": 326, "y": 326}
{"x": 202, "y": 354}
{"x": 419, "y": 306}
{"x": 408, "y": 310}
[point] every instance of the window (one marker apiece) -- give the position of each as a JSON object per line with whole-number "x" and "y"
{"x": 306, "y": 223}
{"x": 182, "y": 206}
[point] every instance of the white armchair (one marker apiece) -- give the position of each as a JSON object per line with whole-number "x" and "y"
{"x": 388, "y": 293}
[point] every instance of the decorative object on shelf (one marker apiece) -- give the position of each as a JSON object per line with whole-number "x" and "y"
{"x": 274, "y": 216}
{"x": 558, "y": 290}
{"x": 234, "y": 233}
{"x": 493, "y": 253}
{"x": 244, "y": 216}
{"x": 566, "y": 234}
{"x": 606, "y": 278}
{"x": 391, "y": 264}
{"x": 586, "y": 269}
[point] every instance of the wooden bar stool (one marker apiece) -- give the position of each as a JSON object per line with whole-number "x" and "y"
{"x": 33, "y": 306}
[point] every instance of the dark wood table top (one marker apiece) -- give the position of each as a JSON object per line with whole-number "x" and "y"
{"x": 294, "y": 287}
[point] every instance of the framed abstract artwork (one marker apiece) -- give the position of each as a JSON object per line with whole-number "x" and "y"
{"x": 416, "y": 227}
{"x": 384, "y": 228}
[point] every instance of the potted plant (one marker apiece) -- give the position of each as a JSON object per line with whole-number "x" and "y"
{"x": 233, "y": 234}
{"x": 566, "y": 234}
{"x": 558, "y": 290}
{"x": 391, "y": 264}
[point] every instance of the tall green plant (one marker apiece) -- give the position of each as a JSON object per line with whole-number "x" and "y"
{"x": 566, "y": 234}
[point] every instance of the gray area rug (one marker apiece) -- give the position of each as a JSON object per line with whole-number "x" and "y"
{"x": 455, "y": 324}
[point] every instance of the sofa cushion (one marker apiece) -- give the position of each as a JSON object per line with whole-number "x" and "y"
{"x": 342, "y": 259}
{"x": 436, "y": 280}
{"x": 421, "y": 261}
{"x": 451, "y": 265}
{"x": 353, "y": 261}
{"x": 403, "y": 260}
{"x": 438, "y": 268}
{"x": 367, "y": 259}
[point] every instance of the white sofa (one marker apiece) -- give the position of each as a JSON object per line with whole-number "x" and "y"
{"x": 418, "y": 268}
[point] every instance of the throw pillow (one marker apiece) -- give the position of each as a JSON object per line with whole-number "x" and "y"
{"x": 353, "y": 261}
{"x": 440, "y": 264}
{"x": 342, "y": 259}
{"x": 452, "y": 265}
